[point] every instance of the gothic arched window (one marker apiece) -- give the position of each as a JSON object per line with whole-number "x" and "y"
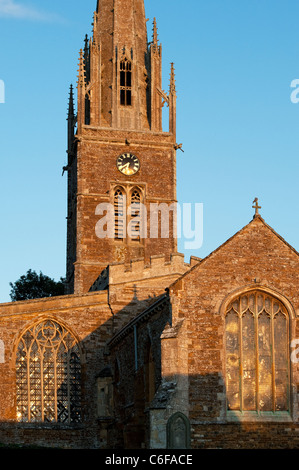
{"x": 119, "y": 214}
{"x": 48, "y": 373}
{"x": 135, "y": 222}
{"x": 257, "y": 359}
{"x": 125, "y": 83}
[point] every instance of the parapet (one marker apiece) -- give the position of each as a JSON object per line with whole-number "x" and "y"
{"x": 139, "y": 270}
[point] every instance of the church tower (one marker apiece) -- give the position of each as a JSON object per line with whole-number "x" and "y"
{"x": 118, "y": 152}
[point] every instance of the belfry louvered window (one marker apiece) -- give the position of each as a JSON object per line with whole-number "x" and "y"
{"x": 257, "y": 367}
{"x": 125, "y": 83}
{"x": 119, "y": 214}
{"x": 48, "y": 374}
{"x": 135, "y": 215}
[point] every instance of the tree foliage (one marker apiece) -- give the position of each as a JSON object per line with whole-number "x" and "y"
{"x": 35, "y": 286}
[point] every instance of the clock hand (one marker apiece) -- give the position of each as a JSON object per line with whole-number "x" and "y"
{"x": 124, "y": 166}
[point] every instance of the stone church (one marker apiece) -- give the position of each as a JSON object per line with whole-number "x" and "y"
{"x": 145, "y": 350}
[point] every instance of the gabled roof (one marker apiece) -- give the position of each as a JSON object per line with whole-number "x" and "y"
{"x": 256, "y": 219}
{"x": 156, "y": 307}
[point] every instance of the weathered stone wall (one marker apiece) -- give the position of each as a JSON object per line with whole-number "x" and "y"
{"x": 89, "y": 319}
{"x": 254, "y": 259}
{"x": 135, "y": 357}
{"x": 98, "y": 175}
{"x": 93, "y": 319}
{"x": 113, "y": 129}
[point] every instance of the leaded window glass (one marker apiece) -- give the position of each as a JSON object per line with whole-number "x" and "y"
{"x": 48, "y": 373}
{"x": 257, "y": 367}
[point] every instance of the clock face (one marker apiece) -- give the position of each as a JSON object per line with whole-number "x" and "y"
{"x": 128, "y": 164}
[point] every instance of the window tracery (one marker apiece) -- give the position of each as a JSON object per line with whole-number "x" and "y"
{"x": 48, "y": 374}
{"x": 129, "y": 215}
{"x": 257, "y": 368}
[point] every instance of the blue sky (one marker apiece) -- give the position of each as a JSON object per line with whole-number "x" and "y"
{"x": 234, "y": 61}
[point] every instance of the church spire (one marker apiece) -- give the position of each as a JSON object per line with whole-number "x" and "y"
{"x": 71, "y": 120}
{"x": 119, "y": 118}
{"x": 120, "y": 74}
{"x": 172, "y": 88}
{"x": 71, "y": 109}
{"x": 155, "y": 34}
{"x": 81, "y": 91}
{"x": 172, "y": 102}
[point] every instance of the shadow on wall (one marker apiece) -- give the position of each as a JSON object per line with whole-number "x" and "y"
{"x": 100, "y": 393}
{"x": 54, "y": 390}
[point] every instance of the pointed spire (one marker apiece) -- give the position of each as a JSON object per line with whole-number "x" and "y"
{"x": 81, "y": 76}
{"x": 172, "y": 102}
{"x": 71, "y": 110}
{"x": 155, "y": 47}
{"x": 95, "y": 28}
{"x": 172, "y": 88}
{"x": 86, "y": 43}
{"x": 155, "y": 33}
{"x": 87, "y": 58}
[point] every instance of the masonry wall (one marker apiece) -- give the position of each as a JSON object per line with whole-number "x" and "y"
{"x": 98, "y": 175}
{"x": 135, "y": 358}
{"x": 90, "y": 319}
{"x": 256, "y": 258}
{"x": 93, "y": 319}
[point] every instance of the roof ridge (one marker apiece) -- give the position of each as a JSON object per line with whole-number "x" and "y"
{"x": 255, "y": 218}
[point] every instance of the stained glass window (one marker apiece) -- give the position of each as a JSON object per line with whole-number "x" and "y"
{"x": 48, "y": 373}
{"x": 257, "y": 368}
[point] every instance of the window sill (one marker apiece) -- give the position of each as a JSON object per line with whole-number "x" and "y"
{"x": 52, "y": 426}
{"x": 263, "y": 416}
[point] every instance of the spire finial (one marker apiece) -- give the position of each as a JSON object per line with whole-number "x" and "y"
{"x": 86, "y": 41}
{"x": 71, "y": 111}
{"x": 172, "y": 88}
{"x": 155, "y": 32}
{"x": 81, "y": 76}
{"x": 256, "y": 207}
{"x": 95, "y": 28}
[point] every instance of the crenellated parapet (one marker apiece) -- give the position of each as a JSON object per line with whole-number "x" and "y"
{"x": 139, "y": 272}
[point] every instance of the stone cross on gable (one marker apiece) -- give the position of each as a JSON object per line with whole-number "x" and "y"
{"x": 256, "y": 207}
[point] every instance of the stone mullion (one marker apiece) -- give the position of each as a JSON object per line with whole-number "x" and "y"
{"x": 55, "y": 383}
{"x": 257, "y": 355}
{"x": 241, "y": 360}
{"x": 68, "y": 386}
{"x": 28, "y": 384}
{"x": 42, "y": 384}
{"x": 288, "y": 375}
{"x": 273, "y": 357}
